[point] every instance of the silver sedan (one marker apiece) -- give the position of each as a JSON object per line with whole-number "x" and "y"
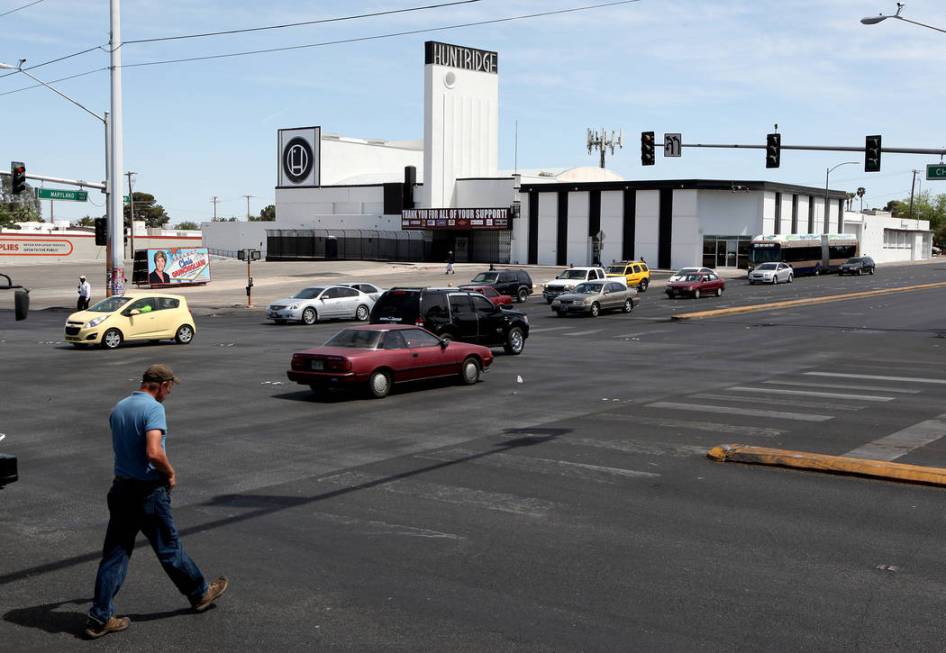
{"x": 592, "y": 297}
{"x": 311, "y": 305}
{"x": 772, "y": 273}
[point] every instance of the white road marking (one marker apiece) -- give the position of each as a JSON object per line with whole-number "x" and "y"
{"x": 582, "y": 333}
{"x": 637, "y": 334}
{"x": 547, "y": 329}
{"x": 811, "y": 393}
{"x": 637, "y": 446}
{"x": 875, "y": 377}
{"x": 372, "y": 527}
{"x": 845, "y": 386}
{"x": 825, "y": 405}
{"x": 901, "y": 443}
{"x": 729, "y": 410}
{"x": 710, "y": 427}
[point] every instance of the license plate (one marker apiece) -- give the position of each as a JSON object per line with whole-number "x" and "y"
{"x": 317, "y": 365}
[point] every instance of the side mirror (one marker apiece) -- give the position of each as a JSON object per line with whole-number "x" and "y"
{"x": 134, "y": 311}
{"x": 443, "y": 343}
{"x": 322, "y": 298}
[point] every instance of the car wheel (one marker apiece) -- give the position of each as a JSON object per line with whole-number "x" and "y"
{"x": 719, "y": 292}
{"x": 791, "y": 278}
{"x": 470, "y": 371}
{"x": 111, "y": 339}
{"x": 774, "y": 279}
{"x": 595, "y": 309}
{"x": 379, "y": 385}
{"x": 309, "y": 316}
{"x": 515, "y": 341}
{"x": 642, "y": 286}
{"x": 872, "y": 270}
{"x": 548, "y": 301}
{"x": 860, "y": 271}
{"x": 696, "y": 294}
{"x": 628, "y": 306}
{"x": 361, "y": 313}
{"x": 184, "y": 335}
{"x": 522, "y": 295}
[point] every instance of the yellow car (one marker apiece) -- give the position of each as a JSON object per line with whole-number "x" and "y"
{"x": 136, "y": 316}
{"x": 635, "y": 273}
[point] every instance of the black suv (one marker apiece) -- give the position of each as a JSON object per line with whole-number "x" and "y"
{"x": 454, "y": 314}
{"x": 515, "y": 283}
{"x": 858, "y": 265}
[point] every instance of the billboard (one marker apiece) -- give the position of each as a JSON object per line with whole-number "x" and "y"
{"x": 178, "y": 266}
{"x": 473, "y": 219}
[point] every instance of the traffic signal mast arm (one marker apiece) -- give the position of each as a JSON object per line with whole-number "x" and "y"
{"x": 822, "y": 148}
{"x": 68, "y": 182}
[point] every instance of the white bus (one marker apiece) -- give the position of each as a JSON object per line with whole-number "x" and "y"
{"x": 806, "y": 253}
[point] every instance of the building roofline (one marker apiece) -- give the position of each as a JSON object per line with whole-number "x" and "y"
{"x": 734, "y": 185}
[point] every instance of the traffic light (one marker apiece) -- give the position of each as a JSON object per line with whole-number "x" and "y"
{"x": 18, "y": 176}
{"x": 872, "y": 154}
{"x": 647, "y": 148}
{"x": 101, "y": 231}
{"x": 773, "y": 150}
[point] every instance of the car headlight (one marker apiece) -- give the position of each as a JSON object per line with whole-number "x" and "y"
{"x": 94, "y": 323}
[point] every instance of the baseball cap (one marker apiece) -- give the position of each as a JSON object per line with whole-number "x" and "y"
{"x": 82, "y": 276}
{"x": 159, "y": 373}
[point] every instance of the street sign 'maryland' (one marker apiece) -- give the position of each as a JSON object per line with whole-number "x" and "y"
{"x": 56, "y": 194}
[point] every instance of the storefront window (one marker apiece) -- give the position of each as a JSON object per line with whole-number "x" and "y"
{"x": 726, "y": 251}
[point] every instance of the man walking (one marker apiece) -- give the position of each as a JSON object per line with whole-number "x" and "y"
{"x": 85, "y": 294}
{"x": 140, "y": 500}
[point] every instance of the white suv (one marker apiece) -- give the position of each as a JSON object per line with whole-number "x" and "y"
{"x": 566, "y": 281}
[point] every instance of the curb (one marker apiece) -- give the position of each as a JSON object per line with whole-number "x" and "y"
{"x": 791, "y": 303}
{"x": 740, "y": 453}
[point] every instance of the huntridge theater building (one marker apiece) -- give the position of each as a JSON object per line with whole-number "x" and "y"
{"x": 340, "y": 197}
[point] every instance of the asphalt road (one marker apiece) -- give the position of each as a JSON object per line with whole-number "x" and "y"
{"x": 564, "y": 503}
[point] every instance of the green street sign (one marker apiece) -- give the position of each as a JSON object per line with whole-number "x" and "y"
{"x": 56, "y": 194}
{"x": 936, "y": 171}
{"x": 125, "y": 199}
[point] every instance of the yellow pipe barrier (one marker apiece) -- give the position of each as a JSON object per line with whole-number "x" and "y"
{"x": 740, "y": 453}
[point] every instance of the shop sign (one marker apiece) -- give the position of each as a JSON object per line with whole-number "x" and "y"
{"x": 466, "y": 219}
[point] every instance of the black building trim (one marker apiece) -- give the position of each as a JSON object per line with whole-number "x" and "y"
{"x": 594, "y": 213}
{"x": 840, "y": 216}
{"x": 684, "y": 184}
{"x": 795, "y": 213}
{"x": 811, "y": 214}
{"x": 533, "y": 228}
{"x": 665, "y": 228}
{"x": 630, "y": 224}
{"x": 778, "y": 213}
{"x": 561, "y": 233}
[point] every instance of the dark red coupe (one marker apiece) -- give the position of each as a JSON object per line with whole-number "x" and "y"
{"x": 381, "y": 355}
{"x": 490, "y": 293}
{"x": 697, "y": 285}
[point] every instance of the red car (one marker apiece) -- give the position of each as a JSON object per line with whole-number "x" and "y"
{"x": 381, "y": 355}
{"x": 697, "y": 285}
{"x": 491, "y": 294}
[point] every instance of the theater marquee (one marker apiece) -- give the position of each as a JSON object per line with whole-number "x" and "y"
{"x": 460, "y": 56}
{"x": 472, "y": 219}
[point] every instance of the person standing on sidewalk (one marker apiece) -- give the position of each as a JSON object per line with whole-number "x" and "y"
{"x": 451, "y": 259}
{"x": 85, "y": 294}
{"x": 140, "y": 500}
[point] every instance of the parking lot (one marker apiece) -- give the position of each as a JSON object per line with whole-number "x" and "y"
{"x": 563, "y": 503}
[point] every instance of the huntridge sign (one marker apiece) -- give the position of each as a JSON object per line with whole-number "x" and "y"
{"x": 459, "y": 56}
{"x": 477, "y": 219}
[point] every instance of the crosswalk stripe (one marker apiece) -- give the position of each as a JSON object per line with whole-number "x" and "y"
{"x": 709, "y": 427}
{"x": 751, "y": 412}
{"x": 636, "y": 335}
{"x": 547, "y": 329}
{"x": 582, "y": 333}
{"x": 811, "y": 393}
{"x": 902, "y": 442}
{"x": 843, "y": 386}
{"x": 876, "y": 377}
{"x": 823, "y": 405}
{"x": 583, "y": 471}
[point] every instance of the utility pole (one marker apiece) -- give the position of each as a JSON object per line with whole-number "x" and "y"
{"x": 215, "y": 201}
{"x": 131, "y": 206}
{"x": 116, "y": 214}
{"x": 912, "y": 188}
{"x": 248, "y": 206}
{"x": 603, "y": 141}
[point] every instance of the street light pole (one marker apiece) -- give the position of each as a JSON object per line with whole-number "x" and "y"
{"x": 827, "y": 175}
{"x": 116, "y": 162}
{"x": 131, "y": 207}
{"x": 873, "y": 20}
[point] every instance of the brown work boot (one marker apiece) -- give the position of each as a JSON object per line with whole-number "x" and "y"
{"x": 95, "y": 629}
{"x": 214, "y": 591}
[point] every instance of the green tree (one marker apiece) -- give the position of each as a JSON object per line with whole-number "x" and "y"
{"x": 17, "y": 208}
{"x": 925, "y": 207}
{"x": 148, "y": 210}
{"x": 87, "y": 221}
{"x": 268, "y": 214}
{"x": 188, "y": 225}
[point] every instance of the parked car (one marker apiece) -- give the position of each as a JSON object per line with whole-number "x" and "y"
{"x": 696, "y": 286}
{"x": 515, "y": 283}
{"x": 454, "y": 314}
{"x": 773, "y": 273}
{"x": 135, "y": 316}
{"x": 369, "y": 289}
{"x": 858, "y": 265}
{"x": 381, "y": 355}
{"x": 311, "y": 305}
{"x": 592, "y": 297}
{"x": 681, "y": 274}
{"x": 636, "y": 274}
{"x": 491, "y": 294}
{"x": 568, "y": 280}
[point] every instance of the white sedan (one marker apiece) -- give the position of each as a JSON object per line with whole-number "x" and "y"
{"x": 310, "y": 305}
{"x": 772, "y": 273}
{"x": 365, "y": 287}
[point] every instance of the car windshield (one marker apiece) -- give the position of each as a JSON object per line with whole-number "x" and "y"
{"x": 308, "y": 293}
{"x": 572, "y": 274}
{"x": 355, "y": 339}
{"x": 682, "y": 272}
{"x": 616, "y": 269}
{"x": 588, "y": 288}
{"x": 855, "y": 260}
{"x": 485, "y": 277}
{"x": 768, "y": 266}
{"x": 693, "y": 277}
{"x": 109, "y": 305}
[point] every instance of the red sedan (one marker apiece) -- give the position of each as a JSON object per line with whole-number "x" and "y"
{"x": 381, "y": 355}
{"x": 697, "y": 285}
{"x": 491, "y": 294}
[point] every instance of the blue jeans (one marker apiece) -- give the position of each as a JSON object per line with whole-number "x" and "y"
{"x": 143, "y": 506}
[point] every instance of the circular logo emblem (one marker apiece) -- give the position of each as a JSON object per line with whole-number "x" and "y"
{"x": 297, "y": 159}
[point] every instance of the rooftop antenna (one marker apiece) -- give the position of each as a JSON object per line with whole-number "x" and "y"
{"x": 603, "y": 141}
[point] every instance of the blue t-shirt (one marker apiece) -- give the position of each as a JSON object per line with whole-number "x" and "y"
{"x": 131, "y": 418}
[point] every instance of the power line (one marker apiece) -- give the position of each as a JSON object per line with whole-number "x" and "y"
{"x": 63, "y": 58}
{"x": 29, "y": 4}
{"x": 301, "y": 23}
{"x": 382, "y": 36}
{"x": 55, "y": 81}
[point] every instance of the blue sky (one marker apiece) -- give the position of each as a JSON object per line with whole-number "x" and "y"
{"x": 715, "y": 71}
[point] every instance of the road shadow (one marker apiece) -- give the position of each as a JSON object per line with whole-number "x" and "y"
{"x": 52, "y": 619}
{"x": 359, "y": 392}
